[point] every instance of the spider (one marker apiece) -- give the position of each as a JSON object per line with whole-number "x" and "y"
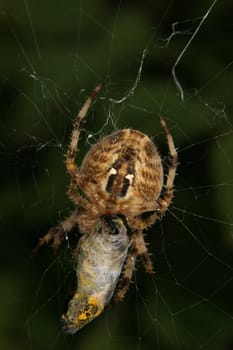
{"x": 121, "y": 180}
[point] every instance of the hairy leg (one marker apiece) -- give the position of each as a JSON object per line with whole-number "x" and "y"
{"x": 71, "y": 167}
{"x": 57, "y": 233}
{"x": 73, "y": 146}
{"x": 138, "y": 248}
{"x": 168, "y": 187}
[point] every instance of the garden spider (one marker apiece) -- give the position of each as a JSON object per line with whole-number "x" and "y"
{"x": 121, "y": 179}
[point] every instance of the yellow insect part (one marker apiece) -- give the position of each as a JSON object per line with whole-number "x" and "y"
{"x": 81, "y": 311}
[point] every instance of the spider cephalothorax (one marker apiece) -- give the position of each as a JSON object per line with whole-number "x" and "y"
{"x": 120, "y": 177}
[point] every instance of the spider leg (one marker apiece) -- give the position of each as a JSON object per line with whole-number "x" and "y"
{"x": 138, "y": 248}
{"x": 57, "y": 233}
{"x": 73, "y": 146}
{"x": 71, "y": 167}
{"x": 168, "y": 193}
{"x": 126, "y": 277}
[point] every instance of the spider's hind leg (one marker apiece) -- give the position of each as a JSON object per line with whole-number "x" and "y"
{"x": 169, "y": 184}
{"x": 71, "y": 167}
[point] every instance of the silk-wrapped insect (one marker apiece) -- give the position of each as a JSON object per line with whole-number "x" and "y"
{"x": 100, "y": 258}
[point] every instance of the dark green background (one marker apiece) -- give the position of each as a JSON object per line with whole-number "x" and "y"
{"x": 52, "y": 54}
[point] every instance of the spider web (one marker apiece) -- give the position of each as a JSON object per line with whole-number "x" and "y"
{"x": 168, "y": 59}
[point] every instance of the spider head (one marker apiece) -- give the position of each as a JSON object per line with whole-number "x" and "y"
{"x": 116, "y": 224}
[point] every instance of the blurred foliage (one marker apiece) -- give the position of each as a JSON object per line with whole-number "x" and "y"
{"x": 52, "y": 54}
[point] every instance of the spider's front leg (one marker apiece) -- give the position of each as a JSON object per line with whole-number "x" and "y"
{"x": 126, "y": 277}
{"x": 57, "y": 233}
{"x": 138, "y": 249}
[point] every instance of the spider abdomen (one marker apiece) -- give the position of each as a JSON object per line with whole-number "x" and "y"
{"x": 123, "y": 171}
